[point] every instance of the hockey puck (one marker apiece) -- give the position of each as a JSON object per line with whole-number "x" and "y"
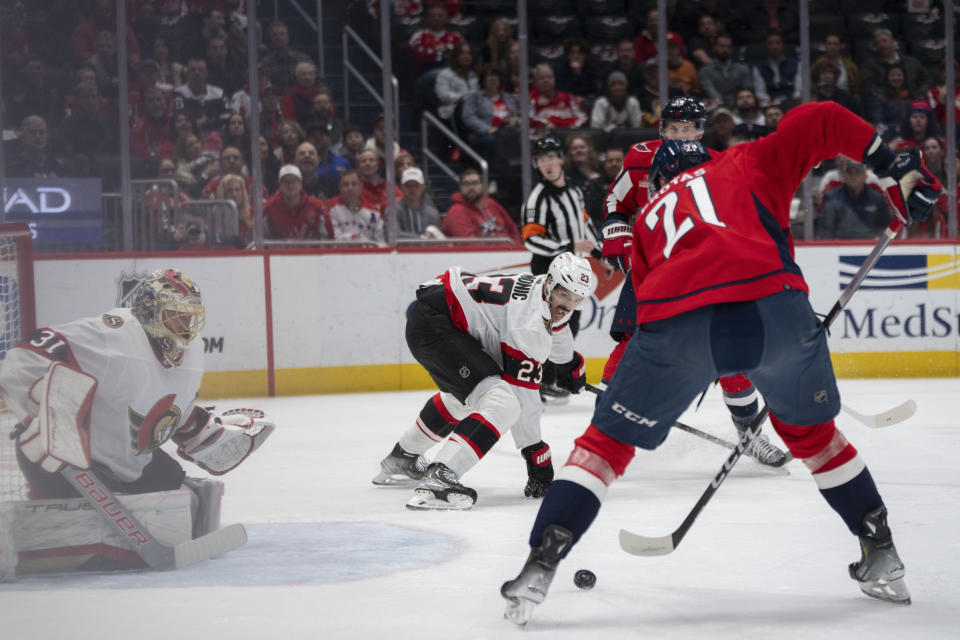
{"x": 585, "y": 579}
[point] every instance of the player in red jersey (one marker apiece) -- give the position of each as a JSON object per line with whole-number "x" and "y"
{"x": 682, "y": 119}
{"x": 718, "y": 292}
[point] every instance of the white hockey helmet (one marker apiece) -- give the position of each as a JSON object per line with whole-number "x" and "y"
{"x": 169, "y": 308}
{"x": 574, "y": 274}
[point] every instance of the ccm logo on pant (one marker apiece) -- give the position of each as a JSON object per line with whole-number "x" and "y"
{"x": 633, "y": 417}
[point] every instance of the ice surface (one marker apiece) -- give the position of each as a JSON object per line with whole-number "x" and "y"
{"x": 332, "y": 556}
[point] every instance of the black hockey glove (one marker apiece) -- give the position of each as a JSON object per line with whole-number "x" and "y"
{"x": 572, "y": 376}
{"x": 915, "y": 191}
{"x": 539, "y": 469}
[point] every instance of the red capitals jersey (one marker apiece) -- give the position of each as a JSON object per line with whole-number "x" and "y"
{"x": 628, "y": 193}
{"x": 721, "y": 232}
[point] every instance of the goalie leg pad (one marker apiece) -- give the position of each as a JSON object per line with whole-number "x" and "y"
{"x": 205, "y": 501}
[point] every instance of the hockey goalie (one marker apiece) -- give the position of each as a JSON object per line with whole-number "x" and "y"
{"x": 103, "y": 394}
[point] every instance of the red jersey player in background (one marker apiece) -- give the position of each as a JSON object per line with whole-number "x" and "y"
{"x": 718, "y": 292}
{"x": 682, "y": 119}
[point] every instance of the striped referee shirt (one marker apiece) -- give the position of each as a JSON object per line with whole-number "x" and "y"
{"x": 554, "y": 218}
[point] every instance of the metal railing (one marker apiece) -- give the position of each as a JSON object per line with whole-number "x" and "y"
{"x": 429, "y": 120}
{"x": 350, "y": 69}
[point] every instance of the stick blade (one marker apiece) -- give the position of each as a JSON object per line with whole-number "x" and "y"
{"x": 639, "y": 545}
{"x": 209, "y": 546}
{"x": 897, "y": 414}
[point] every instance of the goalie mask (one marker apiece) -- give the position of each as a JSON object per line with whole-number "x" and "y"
{"x": 169, "y": 308}
{"x": 571, "y": 282}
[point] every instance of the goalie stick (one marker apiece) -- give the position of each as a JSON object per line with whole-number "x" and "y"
{"x": 662, "y": 545}
{"x": 703, "y": 434}
{"x": 139, "y": 539}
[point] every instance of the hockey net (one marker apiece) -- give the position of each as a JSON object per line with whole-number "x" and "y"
{"x": 17, "y": 320}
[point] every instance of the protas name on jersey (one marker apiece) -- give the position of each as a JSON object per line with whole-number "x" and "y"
{"x": 139, "y": 403}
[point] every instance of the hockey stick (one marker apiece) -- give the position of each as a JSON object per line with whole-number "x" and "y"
{"x": 885, "y": 418}
{"x": 702, "y": 434}
{"x": 662, "y": 545}
{"x": 139, "y": 539}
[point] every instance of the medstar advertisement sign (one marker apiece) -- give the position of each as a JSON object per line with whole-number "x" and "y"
{"x": 58, "y": 210}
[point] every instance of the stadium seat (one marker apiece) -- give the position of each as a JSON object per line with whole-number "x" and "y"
{"x": 626, "y": 138}
{"x": 556, "y": 27}
{"x": 548, "y": 52}
{"x": 862, "y": 25}
{"x": 605, "y": 52}
{"x": 601, "y": 7}
{"x": 921, "y": 26}
{"x": 544, "y": 7}
{"x": 597, "y": 136}
{"x": 471, "y": 28}
{"x": 822, "y": 24}
{"x": 929, "y": 51}
{"x": 608, "y": 28}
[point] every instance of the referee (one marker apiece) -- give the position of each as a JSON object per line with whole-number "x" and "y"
{"x": 555, "y": 220}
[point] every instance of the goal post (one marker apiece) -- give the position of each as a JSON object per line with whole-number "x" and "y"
{"x": 17, "y": 320}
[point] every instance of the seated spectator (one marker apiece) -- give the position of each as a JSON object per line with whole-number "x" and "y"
{"x": 87, "y": 131}
{"x": 430, "y": 45}
{"x": 886, "y": 53}
{"x": 454, "y": 82}
{"x": 329, "y": 164}
{"x": 281, "y": 63}
{"x": 402, "y": 162}
{"x": 194, "y": 168}
{"x": 552, "y": 109}
{"x": 833, "y": 52}
{"x": 237, "y": 41}
{"x": 206, "y": 103}
{"x": 576, "y": 73}
{"x": 235, "y": 134}
{"x": 488, "y": 110}
{"x": 292, "y": 214}
{"x": 298, "y": 101}
{"x": 824, "y": 76}
{"x": 723, "y": 77}
{"x": 322, "y": 113}
{"x": 271, "y": 118}
{"x": 776, "y": 78}
{"x": 220, "y": 72}
{"x": 351, "y": 216}
{"x": 31, "y": 156}
{"x": 269, "y": 166}
{"x": 772, "y": 114}
{"x": 918, "y": 126}
{"x": 191, "y": 234}
{"x": 718, "y": 133}
{"x": 151, "y": 137}
{"x": 307, "y": 161}
{"x": 417, "y": 216}
{"x": 496, "y": 48}
{"x": 231, "y": 162}
{"x": 853, "y": 211}
{"x": 160, "y": 204}
{"x": 612, "y": 163}
{"x": 937, "y": 96}
{"x": 234, "y": 187}
{"x": 181, "y": 123}
{"x": 378, "y": 141}
{"x": 373, "y": 184}
{"x": 473, "y": 214}
{"x": 681, "y": 73}
{"x": 512, "y": 77}
{"x": 935, "y": 156}
{"x": 626, "y": 63}
{"x": 747, "y": 109}
{"x": 746, "y": 133}
{"x": 32, "y": 94}
{"x": 646, "y": 43}
{"x": 616, "y": 109}
{"x": 83, "y": 40}
{"x": 583, "y": 170}
{"x": 353, "y": 143}
{"x": 890, "y": 105}
{"x": 291, "y": 136}
{"x": 171, "y": 71}
{"x": 701, "y": 45}
{"x": 148, "y": 75}
{"x": 834, "y": 179}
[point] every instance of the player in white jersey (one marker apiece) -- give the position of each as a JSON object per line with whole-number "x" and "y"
{"x": 484, "y": 340}
{"x": 135, "y": 373}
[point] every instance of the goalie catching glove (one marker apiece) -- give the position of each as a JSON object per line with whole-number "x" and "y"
{"x": 914, "y": 190}
{"x": 572, "y": 376}
{"x": 617, "y": 242}
{"x": 539, "y": 469}
{"x": 219, "y": 443}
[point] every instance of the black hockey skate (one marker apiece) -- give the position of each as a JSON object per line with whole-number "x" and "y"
{"x": 530, "y": 588}
{"x": 761, "y": 449}
{"x": 400, "y": 469}
{"x": 440, "y": 488}
{"x": 880, "y": 570}
{"x": 552, "y": 394}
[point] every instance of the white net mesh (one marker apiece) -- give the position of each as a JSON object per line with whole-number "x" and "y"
{"x": 12, "y": 485}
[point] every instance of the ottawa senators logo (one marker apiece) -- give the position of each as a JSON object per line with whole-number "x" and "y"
{"x": 112, "y": 321}
{"x": 152, "y": 430}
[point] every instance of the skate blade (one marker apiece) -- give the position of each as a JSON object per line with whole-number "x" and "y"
{"x": 519, "y": 610}
{"x": 554, "y": 401}
{"x": 894, "y": 591}
{"x": 383, "y": 479}
{"x": 426, "y": 500}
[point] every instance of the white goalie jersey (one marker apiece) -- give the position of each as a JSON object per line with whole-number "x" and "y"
{"x": 139, "y": 403}
{"x": 510, "y": 317}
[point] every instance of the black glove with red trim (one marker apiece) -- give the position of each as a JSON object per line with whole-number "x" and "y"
{"x": 572, "y": 376}
{"x": 539, "y": 469}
